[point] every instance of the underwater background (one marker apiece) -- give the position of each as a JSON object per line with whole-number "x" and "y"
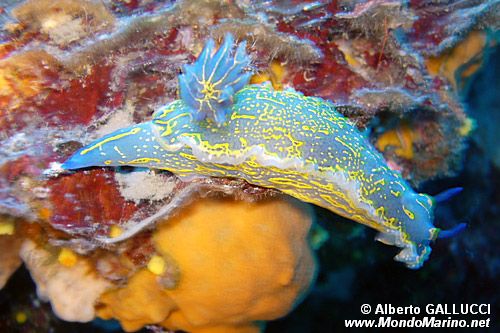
{"x": 420, "y": 77}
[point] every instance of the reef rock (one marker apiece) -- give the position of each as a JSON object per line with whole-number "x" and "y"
{"x": 72, "y": 287}
{"x": 9, "y": 257}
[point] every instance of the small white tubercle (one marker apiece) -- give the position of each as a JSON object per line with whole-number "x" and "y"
{"x": 54, "y": 170}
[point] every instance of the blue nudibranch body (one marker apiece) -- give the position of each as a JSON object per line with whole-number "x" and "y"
{"x": 222, "y": 127}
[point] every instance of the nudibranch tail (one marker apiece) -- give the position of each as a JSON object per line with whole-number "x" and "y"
{"x": 208, "y": 85}
{"x": 134, "y": 145}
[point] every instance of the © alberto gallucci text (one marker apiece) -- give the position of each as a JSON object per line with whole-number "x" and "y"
{"x": 432, "y": 315}
{"x": 434, "y": 309}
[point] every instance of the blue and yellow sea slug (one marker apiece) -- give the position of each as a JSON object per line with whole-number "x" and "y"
{"x": 223, "y": 127}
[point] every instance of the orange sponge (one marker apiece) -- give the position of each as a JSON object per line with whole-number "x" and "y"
{"x": 236, "y": 264}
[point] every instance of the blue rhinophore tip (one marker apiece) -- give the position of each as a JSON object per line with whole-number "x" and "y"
{"x": 208, "y": 85}
{"x": 453, "y": 231}
{"x": 448, "y": 194}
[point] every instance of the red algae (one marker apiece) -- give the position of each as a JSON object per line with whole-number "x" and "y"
{"x": 441, "y": 26}
{"x": 331, "y": 79}
{"x": 80, "y": 100}
{"x": 428, "y": 19}
{"x": 87, "y": 201}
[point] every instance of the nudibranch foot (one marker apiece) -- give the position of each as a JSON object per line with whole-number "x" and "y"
{"x": 413, "y": 255}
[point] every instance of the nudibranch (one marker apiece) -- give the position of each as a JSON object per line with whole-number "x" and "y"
{"x": 223, "y": 127}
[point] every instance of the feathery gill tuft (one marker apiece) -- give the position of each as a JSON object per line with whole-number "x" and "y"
{"x": 208, "y": 85}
